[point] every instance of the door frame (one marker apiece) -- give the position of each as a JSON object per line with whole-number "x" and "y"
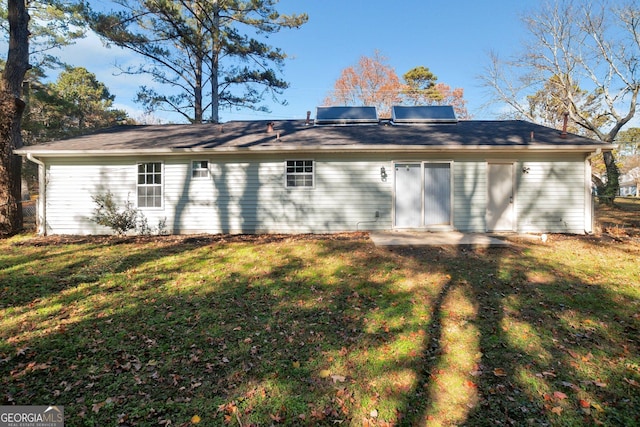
{"x": 514, "y": 198}
{"x": 422, "y": 164}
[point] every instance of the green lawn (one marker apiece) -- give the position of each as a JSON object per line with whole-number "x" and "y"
{"x": 321, "y": 330}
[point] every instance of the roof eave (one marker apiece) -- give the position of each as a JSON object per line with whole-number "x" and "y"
{"x": 316, "y": 149}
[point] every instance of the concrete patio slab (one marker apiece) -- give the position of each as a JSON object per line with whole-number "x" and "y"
{"x": 439, "y": 238}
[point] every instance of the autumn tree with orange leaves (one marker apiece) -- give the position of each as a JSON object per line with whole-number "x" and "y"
{"x": 372, "y": 82}
{"x": 421, "y": 88}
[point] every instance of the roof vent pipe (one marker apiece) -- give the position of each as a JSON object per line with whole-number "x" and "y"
{"x": 269, "y": 127}
{"x": 564, "y": 126}
{"x": 308, "y": 121}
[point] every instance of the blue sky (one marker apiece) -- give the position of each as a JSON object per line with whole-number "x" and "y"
{"x": 451, "y": 38}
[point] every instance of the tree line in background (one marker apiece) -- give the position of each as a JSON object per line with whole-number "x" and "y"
{"x": 76, "y": 102}
{"x": 582, "y": 59}
{"x": 204, "y": 53}
{"x": 372, "y": 82}
{"x": 73, "y": 104}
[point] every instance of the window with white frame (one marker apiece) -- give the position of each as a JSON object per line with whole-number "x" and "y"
{"x": 149, "y": 185}
{"x": 200, "y": 169}
{"x": 299, "y": 173}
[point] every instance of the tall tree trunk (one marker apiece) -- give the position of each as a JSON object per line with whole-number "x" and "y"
{"x": 197, "y": 92}
{"x": 612, "y": 186}
{"x": 215, "y": 34}
{"x": 11, "y": 109}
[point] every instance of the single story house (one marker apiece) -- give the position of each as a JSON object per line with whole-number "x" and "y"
{"x": 344, "y": 171}
{"x": 629, "y": 184}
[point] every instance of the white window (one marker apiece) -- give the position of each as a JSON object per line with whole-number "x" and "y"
{"x": 200, "y": 169}
{"x": 150, "y": 185}
{"x": 299, "y": 173}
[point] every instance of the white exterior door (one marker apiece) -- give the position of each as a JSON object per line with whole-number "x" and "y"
{"x": 408, "y": 195}
{"x": 437, "y": 194}
{"x": 500, "y": 204}
{"x": 422, "y": 195}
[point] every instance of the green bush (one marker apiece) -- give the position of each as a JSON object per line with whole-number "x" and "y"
{"x": 109, "y": 214}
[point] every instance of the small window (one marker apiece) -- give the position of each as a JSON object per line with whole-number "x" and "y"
{"x": 150, "y": 185}
{"x": 299, "y": 173}
{"x": 200, "y": 169}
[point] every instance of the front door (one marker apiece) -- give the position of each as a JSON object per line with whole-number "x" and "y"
{"x": 500, "y": 205}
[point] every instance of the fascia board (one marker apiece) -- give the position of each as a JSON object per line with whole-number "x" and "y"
{"x": 318, "y": 149}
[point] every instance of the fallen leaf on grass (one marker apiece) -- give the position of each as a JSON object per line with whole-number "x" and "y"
{"x": 600, "y": 384}
{"x": 559, "y": 395}
{"x": 584, "y": 403}
{"x": 632, "y": 382}
{"x": 570, "y": 385}
{"x": 573, "y": 354}
{"x": 556, "y": 410}
{"x": 296, "y": 364}
{"x": 195, "y": 419}
{"x": 324, "y": 373}
{"x": 22, "y": 351}
{"x": 338, "y": 378}
{"x": 499, "y": 372}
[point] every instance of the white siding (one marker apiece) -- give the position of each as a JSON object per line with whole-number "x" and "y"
{"x": 238, "y": 197}
{"x": 551, "y": 196}
{"x": 248, "y": 194}
{"x": 470, "y": 195}
{"x": 70, "y": 186}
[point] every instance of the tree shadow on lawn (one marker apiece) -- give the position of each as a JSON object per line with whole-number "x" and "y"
{"x": 329, "y": 331}
{"x": 192, "y": 329}
{"x": 553, "y": 347}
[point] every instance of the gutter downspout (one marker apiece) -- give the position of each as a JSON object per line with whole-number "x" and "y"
{"x": 42, "y": 196}
{"x": 590, "y": 202}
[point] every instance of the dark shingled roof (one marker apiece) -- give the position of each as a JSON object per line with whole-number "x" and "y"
{"x": 297, "y": 135}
